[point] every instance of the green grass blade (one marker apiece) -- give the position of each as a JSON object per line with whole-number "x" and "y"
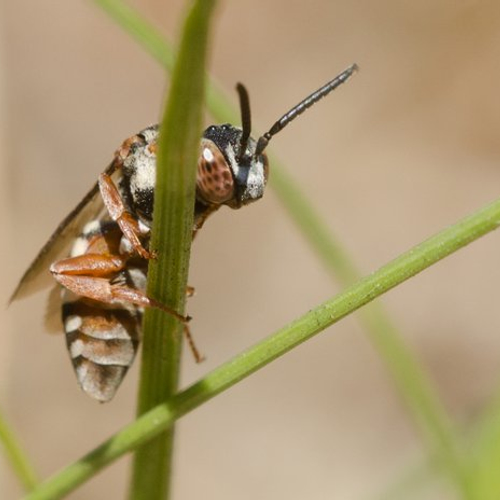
{"x": 160, "y": 418}
{"x": 16, "y": 456}
{"x": 171, "y": 238}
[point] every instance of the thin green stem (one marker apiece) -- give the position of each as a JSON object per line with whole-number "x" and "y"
{"x": 160, "y": 418}
{"x": 171, "y": 239}
{"x": 16, "y": 456}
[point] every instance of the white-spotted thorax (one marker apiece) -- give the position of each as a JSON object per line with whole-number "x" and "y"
{"x": 139, "y": 174}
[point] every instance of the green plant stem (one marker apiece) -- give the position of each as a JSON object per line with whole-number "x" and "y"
{"x": 171, "y": 239}
{"x": 164, "y": 415}
{"x": 16, "y": 456}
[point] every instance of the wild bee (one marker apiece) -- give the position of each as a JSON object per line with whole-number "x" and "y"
{"x": 101, "y": 279}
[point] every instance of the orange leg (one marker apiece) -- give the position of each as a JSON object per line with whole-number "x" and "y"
{"x": 89, "y": 264}
{"x": 90, "y": 275}
{"x": 117, "y": 211}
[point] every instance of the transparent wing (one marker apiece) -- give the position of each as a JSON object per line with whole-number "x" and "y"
{"x": 37, "y": 276}
{"x": 52, "y": 320}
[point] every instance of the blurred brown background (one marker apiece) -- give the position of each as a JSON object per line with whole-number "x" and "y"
{"x": 408, "y": 147}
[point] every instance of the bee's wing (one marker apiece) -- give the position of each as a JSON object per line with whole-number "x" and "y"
{"x": 37, "y": 276}
{"x": 52, "y": 319}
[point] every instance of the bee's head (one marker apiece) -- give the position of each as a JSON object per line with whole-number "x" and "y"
{"x": 233, "y": 168}
{"x": 227, "y": 174}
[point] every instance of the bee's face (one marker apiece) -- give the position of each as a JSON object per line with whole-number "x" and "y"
{"x": 225, "y": 176}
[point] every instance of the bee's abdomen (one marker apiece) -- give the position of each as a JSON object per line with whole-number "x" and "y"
{"x": 102, "y": 343}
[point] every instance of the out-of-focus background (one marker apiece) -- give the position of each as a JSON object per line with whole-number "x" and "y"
{"x": 408, "y": 147}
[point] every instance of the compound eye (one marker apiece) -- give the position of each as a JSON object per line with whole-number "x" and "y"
{"x": 214, "y": 180}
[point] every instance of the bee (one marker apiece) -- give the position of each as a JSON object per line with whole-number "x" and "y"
{"x": 98, "y": 255}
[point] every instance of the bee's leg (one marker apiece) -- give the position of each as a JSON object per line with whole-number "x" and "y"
{"x": 124, "y": 293}
{"x": 90, "y": 276}
{"x": 194, "y": 350}
{"x": 190, "y": 291}
{"x": 134, "y": 296}
{"x": 93, "y": 265}
{"x": 117, "y": 211}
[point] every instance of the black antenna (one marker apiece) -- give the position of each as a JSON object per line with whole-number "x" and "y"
{"x": 246, "y": 120}
{"x": 302, "y": 106}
